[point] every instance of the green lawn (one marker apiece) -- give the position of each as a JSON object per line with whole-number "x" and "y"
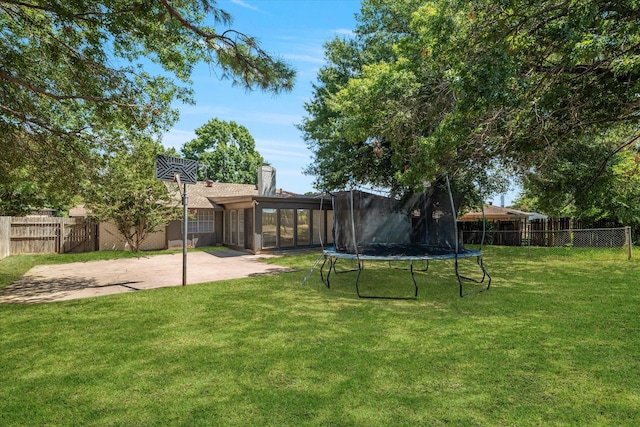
{"x": 556, "y": 341}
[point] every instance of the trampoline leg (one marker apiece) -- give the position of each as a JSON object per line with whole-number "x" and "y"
{"x": 360, "y": 268}
{"x": 459, "y": 278}
{"x": 335, "y": 261}
{"x": 415, "y": 285}
{"x": 485, "y": 274}
{"x": 413, "y": 277}
{"x": 326, "y": 280}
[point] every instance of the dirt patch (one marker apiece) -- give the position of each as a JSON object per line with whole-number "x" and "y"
{"x": 46, "y": 283}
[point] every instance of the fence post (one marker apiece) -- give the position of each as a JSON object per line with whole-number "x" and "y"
{"x": 627, "y": 232}
{"x": 5, "y": 236}
{"x": 61, "y": 236}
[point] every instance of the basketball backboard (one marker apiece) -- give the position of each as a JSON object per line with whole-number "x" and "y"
{"x": 167, "y": 168}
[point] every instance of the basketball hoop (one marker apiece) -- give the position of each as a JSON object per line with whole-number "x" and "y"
{"x": 183, "y": 172}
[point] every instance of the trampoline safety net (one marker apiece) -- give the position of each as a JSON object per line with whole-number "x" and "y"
{"x": 412, "y": 225}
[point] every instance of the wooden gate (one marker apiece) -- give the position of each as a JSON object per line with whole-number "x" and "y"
{"x": 81, "y": 236}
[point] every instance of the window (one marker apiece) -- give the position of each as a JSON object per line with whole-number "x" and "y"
{"x": 317, "y": 229}
{"x": 303, "y": 229}
{"x": 285, "y": 228}
{"x": 329, "y": 233}
{"x": 241, "y": 227}
{"x": 200, "y": 221}
{"x": 287, "y": 224}
{"x": 269, "y": 228}
{"x": 226, "y": 226}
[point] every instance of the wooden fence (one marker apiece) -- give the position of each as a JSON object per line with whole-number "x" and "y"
{"x": 37, "y": 235}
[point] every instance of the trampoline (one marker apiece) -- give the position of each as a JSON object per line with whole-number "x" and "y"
{"x": 413, "y": 228}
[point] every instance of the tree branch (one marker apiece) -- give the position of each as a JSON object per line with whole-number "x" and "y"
{"x": 48, "y": 94}
{"x": 606, "y": 161}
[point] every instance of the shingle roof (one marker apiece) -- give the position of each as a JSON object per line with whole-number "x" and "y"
{"x": 495, "y": 212}
{"x": 198, "y": 194}
{"x": 201, "y": 195}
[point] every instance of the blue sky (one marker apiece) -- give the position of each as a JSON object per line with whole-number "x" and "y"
{"x": 293, "y": 30}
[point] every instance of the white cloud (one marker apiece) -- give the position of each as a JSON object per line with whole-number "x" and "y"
{"x": 266, "y": 152}
{"x": 343, "y": 32}
{"x": 283, "y": 151}
{"x": 204, "y": 110}
{"x": 203, "y": 113}
{"x": 305, "y": 58}
{"x": 176, "y": 138}
{"x": 274, "y": 118}
{"x": 244, "y": 4}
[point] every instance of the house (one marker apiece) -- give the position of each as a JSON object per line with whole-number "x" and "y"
{"x": 250, "y": 217}
{"x": 41, "y": 212}
{"x": 508, "y": 226}
{"x": 255, "y": 218}
{"x": 109, "y": 239}
{"x": 495, "y": 213}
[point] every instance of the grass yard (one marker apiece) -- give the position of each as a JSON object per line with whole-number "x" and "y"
{"x": 556, "y": 341}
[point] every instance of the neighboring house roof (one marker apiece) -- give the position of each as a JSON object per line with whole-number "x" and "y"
{"x": 492, "y": 212}
{"x": 41, "y": 212}
{"x": 536, "y": 215}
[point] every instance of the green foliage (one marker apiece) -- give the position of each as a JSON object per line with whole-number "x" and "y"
{"x": 127, "y": 193}
{"x": 569, "y": 185}
{"x": 526, "y": 203}
{"x": 471, "y": 88}
{"x": 72, "y": 82}
{"x": 18, "y": 194}
{"x": 22, "y": 190}
{"x": 225, "y": 151}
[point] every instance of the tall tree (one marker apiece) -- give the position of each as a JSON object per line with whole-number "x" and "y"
{"x": 566, "y": 184}
{"x": 126, "y": 192}
{"x": 226, "y": 152}
{"x": 471, "y": 87}
{"x": 18, "y": 194}
{"x": 373, "y": 109}
{"x": 73, "y": 84}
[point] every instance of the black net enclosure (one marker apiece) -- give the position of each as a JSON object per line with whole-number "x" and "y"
{"x": 417, "y": 226}
{"x": 410, "y": 225}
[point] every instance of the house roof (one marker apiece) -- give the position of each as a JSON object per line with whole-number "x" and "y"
{"x": 198, "y": 194}
{"x": 495, "y": 213}
{"x": 213, "y": 194}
